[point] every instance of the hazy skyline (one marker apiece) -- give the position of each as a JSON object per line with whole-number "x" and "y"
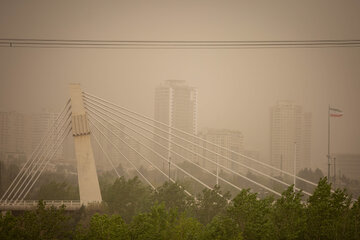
{"x": 236, "y": 87}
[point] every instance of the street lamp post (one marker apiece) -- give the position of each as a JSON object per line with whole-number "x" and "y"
{"x": 328, "y": 155}
{"x": 294, "y": 166}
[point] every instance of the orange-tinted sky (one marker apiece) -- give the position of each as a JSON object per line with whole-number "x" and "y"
{"x": 236, "y": 87}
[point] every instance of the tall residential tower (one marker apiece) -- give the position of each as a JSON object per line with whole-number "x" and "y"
{"x": 290, "y": 132}
{"x": 176, "y": 106}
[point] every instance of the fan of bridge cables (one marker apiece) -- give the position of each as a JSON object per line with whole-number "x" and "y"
{"x": 39, "y": 159}
{"x": 174, "y": 153}
{"x": 168, "y": 153}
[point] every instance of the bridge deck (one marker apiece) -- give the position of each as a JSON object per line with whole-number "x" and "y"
{"x": 24, "y": 205}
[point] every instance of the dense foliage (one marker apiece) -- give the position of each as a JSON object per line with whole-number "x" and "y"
{"x": 133, "y": 211}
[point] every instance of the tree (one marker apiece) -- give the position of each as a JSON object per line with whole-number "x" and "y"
{"x": 173, "y": 196}
{"x": 289, "y": 215}
{"x": 312, "y": 176}
{"x": 211, "y": 203}
{"x": 128, "y": 198}
{"x": 188, "y": 228}
{"x": 57, "y": 191}
{"x": 223, "y": 228}
{"x": 252, "y": 215}
{"x": 155, "y": 225}
{"x": 327, "y": 213}
{"x": 45, "y": 223}
{"x": 162, "y": 224}
{"x": 104, "y": 227}
{"x": 353, "y": 231}
{"x": 9, "y": 227}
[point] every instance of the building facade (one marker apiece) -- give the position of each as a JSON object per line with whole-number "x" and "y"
{"x": 290, "y": 137}
{"x": 175, "y": 106}
{"x": 38, "y": 126}
{"x": 12, "y": 135}
{"x": 229, "y": 139}
{"x": 20, "y": 133}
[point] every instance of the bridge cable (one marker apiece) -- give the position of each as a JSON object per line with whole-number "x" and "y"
{"x": 196, "y": 137}
{"x": 188, "y": 193}
{"x": 33, "y": 171}
{"x": 196, "y": 164}
{"x": 49, "y": 159}
{"x": 170, "y": 179}
{"x": 203, "y": 157}
{"x": 184, "y": 171}
{"x": 230, "y": 170}
{"x": 106, "y": 155}
{"x": 34, "y": 155}
{"x": 92, "y": 124}
{"x": 216, "y": 162}
{"x": 142, "y": 156}
{"x": 30, "y": 169}
{"x": 38, "y": 165}
{"x": 31, "y": 159}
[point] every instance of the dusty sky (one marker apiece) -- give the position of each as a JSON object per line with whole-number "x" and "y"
{"x": 236, "y": 87}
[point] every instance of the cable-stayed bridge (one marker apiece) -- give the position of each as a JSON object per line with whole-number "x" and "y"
{"x": 169, "y": 152}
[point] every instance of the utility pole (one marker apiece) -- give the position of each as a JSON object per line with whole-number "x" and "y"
{"x": 169, "y": 168}
{"x": 0, "y": 176}
{"x": 217, "y": 169}
{"x": 328, "y": 155}
{"x": 294, "y": 166}
{"x": 281, "y": 164}
{"x": 334, "y": 172}
{"x": 332, "y": 112}
{"x": 169, "y": 151}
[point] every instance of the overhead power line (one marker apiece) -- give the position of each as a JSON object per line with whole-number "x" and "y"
{"x": 145, "y": 44}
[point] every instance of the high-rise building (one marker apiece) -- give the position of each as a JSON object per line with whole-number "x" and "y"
{"x": 176, "y": 106}
{"x": 38, "y": 126}
{"x": 12, "y": 137}
{"x": 20, "y": 134}
{"x": 290, "y": 132}
{"x": 229, "y": 139}
{"x": 306, "y": 141}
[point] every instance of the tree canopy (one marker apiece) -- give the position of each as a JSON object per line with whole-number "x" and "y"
{"x": 134, "y": 211}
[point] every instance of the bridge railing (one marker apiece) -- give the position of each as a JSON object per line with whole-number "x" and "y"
{"x": 30, "y": 204}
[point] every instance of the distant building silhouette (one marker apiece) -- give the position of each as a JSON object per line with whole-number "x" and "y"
{"x": 229, "y": 139}
{"x": 347, "y": 165}
{"x": 289, "y": 125}
{"x": 12, "y": 135}
{"x": 38, "y": 125}
{"x": 21, "y": 133}
{"x": 175, "y": 105}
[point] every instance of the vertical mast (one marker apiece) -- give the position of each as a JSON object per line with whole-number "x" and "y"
{"x": 328, "y": 175}
{"x": 88, "y": 181}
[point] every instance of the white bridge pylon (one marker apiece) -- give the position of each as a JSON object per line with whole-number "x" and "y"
{"x": 89, "y": 188}
{"x": 72, "y": 119}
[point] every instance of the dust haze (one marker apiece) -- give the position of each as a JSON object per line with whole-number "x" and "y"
{"x": 236, "y": 87}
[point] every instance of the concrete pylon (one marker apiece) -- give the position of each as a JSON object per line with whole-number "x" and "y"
{"x": 88, "y": 180}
